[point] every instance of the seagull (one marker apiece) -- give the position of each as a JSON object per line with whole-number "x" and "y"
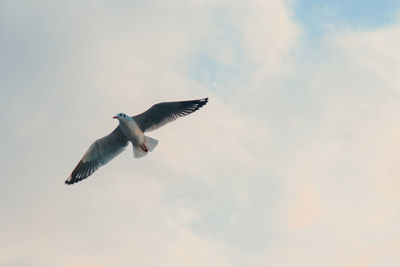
{"x": 131, "y": 129}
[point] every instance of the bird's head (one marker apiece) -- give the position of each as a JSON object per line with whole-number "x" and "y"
{"x": 121, "y": 116}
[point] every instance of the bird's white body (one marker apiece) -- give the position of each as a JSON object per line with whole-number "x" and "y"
{"x": 141, "y": 144}
{"x": 131, "y": 130}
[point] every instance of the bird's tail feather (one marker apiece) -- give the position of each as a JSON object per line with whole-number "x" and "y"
{"x": 150, "y": 144}
{"x": 138, "y": 152}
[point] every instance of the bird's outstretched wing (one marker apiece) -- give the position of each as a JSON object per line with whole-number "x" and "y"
{"x": 165, "y": 112}
{"x": 99, "y": 153}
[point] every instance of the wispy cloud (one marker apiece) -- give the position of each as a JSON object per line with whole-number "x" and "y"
{"x": 292, "y": 162}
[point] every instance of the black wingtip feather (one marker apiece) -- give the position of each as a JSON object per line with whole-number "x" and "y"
{"x": 82, "y": 171}
{"x": 197, "y": 105}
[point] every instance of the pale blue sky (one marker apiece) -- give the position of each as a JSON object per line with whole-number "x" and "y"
{"x": 316, "y": 18}
{"x": 362, "y": 14}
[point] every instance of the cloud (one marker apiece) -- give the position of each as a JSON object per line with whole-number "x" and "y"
{"x": 339, "y": 162}
{"x": 292, "y": 162}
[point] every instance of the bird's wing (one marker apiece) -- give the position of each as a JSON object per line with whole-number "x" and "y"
{"x": 162, "y": 113}
{"x": 99, "y": 153}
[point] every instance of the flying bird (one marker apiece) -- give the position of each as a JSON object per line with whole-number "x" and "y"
{"x": 131, "y": 129}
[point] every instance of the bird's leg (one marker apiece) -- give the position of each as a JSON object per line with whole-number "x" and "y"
{"x": 144, "y": 147}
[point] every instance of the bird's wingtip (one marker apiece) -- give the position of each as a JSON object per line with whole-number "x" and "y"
{"x": 68, "y": 181}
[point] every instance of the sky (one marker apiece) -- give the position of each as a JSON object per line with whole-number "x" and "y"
{"x": 293, "y": 162}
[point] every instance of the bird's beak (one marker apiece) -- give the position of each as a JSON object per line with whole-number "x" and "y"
{"x": 115, "y": 117}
